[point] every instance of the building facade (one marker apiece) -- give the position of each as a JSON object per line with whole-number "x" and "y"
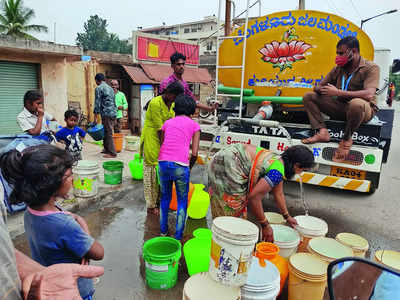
{"x": 203, "y": 32}
{"x": 65, "y": 74}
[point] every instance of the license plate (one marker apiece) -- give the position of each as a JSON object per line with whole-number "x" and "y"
{"x": 348, "y": 173}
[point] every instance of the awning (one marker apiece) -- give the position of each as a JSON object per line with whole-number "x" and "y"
{"x": 159, "y": 72}
{"x": 137, "y": 75}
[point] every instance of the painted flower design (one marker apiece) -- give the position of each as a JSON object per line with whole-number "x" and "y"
{"x": 283, "y": 55}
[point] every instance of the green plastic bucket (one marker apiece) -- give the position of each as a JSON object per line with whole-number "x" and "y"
{"x": 113, "y": 171}
{"x": 161, "y": 256}
{"x": 197, "y": 255}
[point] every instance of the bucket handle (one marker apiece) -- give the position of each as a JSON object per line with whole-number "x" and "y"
{"x": 170, "y": 261}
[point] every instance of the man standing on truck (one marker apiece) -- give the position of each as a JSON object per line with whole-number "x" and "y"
{"x": 347, "y": 93}
{"x": 178, "y": 61}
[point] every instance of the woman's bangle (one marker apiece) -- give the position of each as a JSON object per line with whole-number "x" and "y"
{"x": 286, "y": 215}
{"x": 264, "y": 223}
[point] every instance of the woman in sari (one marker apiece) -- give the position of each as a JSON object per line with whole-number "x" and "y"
{"x": 160, "y": 109}
{"x": 240, "y": 175}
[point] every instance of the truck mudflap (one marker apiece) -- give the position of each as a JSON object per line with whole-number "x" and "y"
{"x": 336, "y": 182}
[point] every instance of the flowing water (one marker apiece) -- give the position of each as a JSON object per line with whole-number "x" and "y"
{"x": 217, "y": 133}
{"x": 302, "y": 197}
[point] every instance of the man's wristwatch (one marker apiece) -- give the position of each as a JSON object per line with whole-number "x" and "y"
{"x": 286, "y": 215}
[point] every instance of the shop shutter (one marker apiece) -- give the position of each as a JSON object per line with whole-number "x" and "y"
{"x": 15, "y": 79}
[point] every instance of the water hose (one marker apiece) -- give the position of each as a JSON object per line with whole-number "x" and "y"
{"x": 272, "y": 99}
{"x": 234, "y": 91}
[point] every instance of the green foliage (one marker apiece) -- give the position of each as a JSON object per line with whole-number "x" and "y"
{"x": 14, "y": 20}
{"x": 96, "y": 37}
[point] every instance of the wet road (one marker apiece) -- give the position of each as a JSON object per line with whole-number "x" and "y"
{"x": 123, "y": 227}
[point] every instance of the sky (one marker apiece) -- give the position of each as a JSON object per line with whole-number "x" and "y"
{"x": 123, "y": 16}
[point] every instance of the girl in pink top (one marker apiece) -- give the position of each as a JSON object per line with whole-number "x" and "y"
{"x": 174, "y": 163}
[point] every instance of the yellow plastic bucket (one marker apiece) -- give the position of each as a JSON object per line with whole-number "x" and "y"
{"x": 201, "y": 284}
{"x": 388, "y": 258}
{"x": 307, "y": 277}
{"x": 328, "y": 249}
{"x": 357, "y": 243}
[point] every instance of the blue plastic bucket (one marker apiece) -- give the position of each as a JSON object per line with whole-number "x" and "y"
{"x": 96, "y": 132}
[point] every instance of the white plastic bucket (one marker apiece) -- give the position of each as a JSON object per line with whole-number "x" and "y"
{"x": 201, "y": 284}
{"x": 286, "y": 238}
{"x": 263, "y": 283}
{"x": 132, "y": 142}
{"x": 86, "y": 178}
{"x": 232, "y": 245}
{"x": 309, "y": 227}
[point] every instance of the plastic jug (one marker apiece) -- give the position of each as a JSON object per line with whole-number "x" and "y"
{"x": 174, "y": 203}
{"x": 270, "y": 252}
{"x": 136, "y": 167}
{"x": 200, "y": 202}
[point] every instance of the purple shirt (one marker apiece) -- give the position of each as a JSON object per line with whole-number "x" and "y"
{"x": 170, "y": 79}
{"x": 178, "y": 133}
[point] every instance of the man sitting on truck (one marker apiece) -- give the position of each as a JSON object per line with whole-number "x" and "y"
{"x": 347, "y": 93}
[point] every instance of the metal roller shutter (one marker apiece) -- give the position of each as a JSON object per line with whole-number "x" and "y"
{"x": 15, "y": 79}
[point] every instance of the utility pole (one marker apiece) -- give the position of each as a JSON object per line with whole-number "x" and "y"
{"x": 55, "y": 32}
{"x": 227, "y": 17}
{"x": 302, "y": 4}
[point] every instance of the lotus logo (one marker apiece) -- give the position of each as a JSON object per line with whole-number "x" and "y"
{"x": 283, "y": 54}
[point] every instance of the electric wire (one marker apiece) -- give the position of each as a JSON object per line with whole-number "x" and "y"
{"x": 355, "y": 9}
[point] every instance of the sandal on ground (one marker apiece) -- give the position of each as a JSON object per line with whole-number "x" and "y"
{"x": 108, "y": 155}
{"x": 164, "y": 234}
{"x": 342, "y": 151}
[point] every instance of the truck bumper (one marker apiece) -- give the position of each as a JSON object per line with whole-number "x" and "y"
{"x": 336, "y": 182}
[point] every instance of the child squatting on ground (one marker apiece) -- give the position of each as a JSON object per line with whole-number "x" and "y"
{"x": 40, "y": 174}
{"x": 174, "y": 163}
{"x": 72, "y": 135}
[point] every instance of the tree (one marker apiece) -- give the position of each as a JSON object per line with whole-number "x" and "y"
{"x": 96, "y": 37}
{"x": 14, "y": 20}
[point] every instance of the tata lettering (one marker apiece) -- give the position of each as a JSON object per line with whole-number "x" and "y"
{"x": 268, "y": 131}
